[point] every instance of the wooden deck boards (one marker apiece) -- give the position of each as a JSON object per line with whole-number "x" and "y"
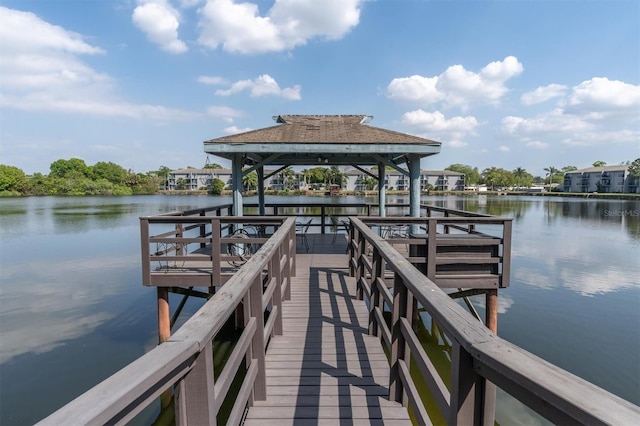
{"x": 325, "y": 369}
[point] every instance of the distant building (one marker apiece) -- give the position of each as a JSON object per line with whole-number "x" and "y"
{"x": 195, "y": 179}
{"x": 605, "y": 179}
{"x": 440, "y": 180}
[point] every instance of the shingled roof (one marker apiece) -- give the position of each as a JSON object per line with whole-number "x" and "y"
{"x": 326, "y": 129}
{"x": 325, "y": 139}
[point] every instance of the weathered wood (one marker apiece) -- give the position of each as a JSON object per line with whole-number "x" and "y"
{"x": 436, "y": 385}
{"x": 226, "y": 376}
{"x": 196, "y": 395}
{"x": 110, "y": 402}
{"x": 164, "y": 315}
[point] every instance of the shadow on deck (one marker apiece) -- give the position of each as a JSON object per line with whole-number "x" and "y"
{"x": 325, "y": 369}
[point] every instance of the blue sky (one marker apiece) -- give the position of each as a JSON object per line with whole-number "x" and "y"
{"x": 143, "y": 83}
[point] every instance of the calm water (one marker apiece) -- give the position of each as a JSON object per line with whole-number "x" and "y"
{"x": 73, "y": 310}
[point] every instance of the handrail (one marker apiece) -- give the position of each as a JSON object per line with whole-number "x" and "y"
{"x": 479, "y": 359}
{"x": 185, "y": 361}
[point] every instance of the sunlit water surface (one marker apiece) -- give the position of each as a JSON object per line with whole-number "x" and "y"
{"x": 73, "y": 310}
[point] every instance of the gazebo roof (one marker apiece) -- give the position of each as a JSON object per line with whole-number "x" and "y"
{"x": 328, "y": 139}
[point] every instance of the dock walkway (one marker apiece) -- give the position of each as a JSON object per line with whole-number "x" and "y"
{"x": 325, "y": 369}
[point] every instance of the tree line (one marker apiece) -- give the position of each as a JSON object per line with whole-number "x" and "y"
{"x": 497, "y": 177}
{"x": 75, "y": 177}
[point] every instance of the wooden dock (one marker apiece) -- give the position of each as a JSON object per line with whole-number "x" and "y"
{"x": 325, "y": 368}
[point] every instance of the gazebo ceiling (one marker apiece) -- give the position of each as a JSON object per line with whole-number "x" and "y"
{"x": 322, "y": 140}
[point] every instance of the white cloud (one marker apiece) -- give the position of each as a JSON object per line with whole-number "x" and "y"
{"x": 435, "y": 125}
{"x": 543, "y": 94}
{"x": 537, "y": 144}
{"x": 604, "y": 95}
{"x": 234, "y": 129}
{"x": 160, "y": 22}
{"x": 555, "y": 121}
{"x": 262, "y": 86}
{"x": 598, "y": 111}
{"x": 436, "y": 121}
{"x": 603, "y": 137}
{"x": 457, "y": 86}
{"x": 22, "y": 31}
{"x": 504, "y": 148}
{"x": 239, "y": 27}
{"x": 417, "y": 89}
{"x": 226, "y": 113}
{"x": 42, "y": 70}
{"x": 211, "y": 80}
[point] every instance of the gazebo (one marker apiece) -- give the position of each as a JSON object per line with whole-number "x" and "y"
{"x": 321, "y": 140}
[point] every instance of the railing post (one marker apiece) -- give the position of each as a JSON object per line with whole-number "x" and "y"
{"x": 195, "y": 394}
{"x": 352, "y": 253}
{"x": 215, "y": 252}
{"x": 257, "y": 343}
{"x": 322, "y": 218}
{"x": 276, "y": 299}
{"x": 376, "y": 271}
{"x": 203, "y": 229}
{"x": 431, "y": 248}
{"x": 360, "y": 272}
{"x": 399, "y": 347}
{"x": 145, "y": 254}
{"x": 467, "y": 389}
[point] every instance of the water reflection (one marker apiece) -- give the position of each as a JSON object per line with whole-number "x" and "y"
{"x": 71, "y": 298}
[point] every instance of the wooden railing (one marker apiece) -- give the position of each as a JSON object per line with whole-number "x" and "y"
{"x": 480, "y": 359}
{"x": 199, "y": 250}
{"x": 185, "y": 361}
{"x": 454, "y": 251}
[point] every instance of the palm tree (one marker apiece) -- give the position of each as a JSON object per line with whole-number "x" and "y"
{"x": 519, "y": 173}
{"x": 552, "y": 171}
{"x": 288, "y": 177}
{"x": 250, "y": 181}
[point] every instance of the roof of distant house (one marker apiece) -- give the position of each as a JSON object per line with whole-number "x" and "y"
{"x": 617, "y": 168}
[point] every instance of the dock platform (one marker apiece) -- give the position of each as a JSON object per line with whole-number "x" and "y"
{"x": 325, "y": 368}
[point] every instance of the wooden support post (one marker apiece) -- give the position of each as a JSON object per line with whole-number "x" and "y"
{"x": 491, "y": 315}
{"x": 491, "y": 320}
{"x": 164, "y": 316}
{"x": 164, "y": 332}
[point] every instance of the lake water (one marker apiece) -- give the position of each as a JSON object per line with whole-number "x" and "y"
{"x": 73, "y": 309}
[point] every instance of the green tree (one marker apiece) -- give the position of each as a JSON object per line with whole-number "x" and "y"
{"x": 471, "y": 174}
{"x": 599, "y": 163}
{"x": 250, "y": 181}
{"x": 163, "y": 174}
{"x": 522, "y": 177}
{"x": 554, "y": 175}
{"x": 12, "y": 179}
{"x": 72, "y": 168}
{"x": 181, "y": 183}
{"x": 217, "y": 185}
{"x": 110, "y": 171}
{"x": 369, "y": 182}
{"x": 334, "y": 176}
{"x": 497, "y": 177}
{"x": 634, "y": 168}
{"x": 213, "y": 166}
{"x": 567, "y": 169}
{"x": 288, "y": 177}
